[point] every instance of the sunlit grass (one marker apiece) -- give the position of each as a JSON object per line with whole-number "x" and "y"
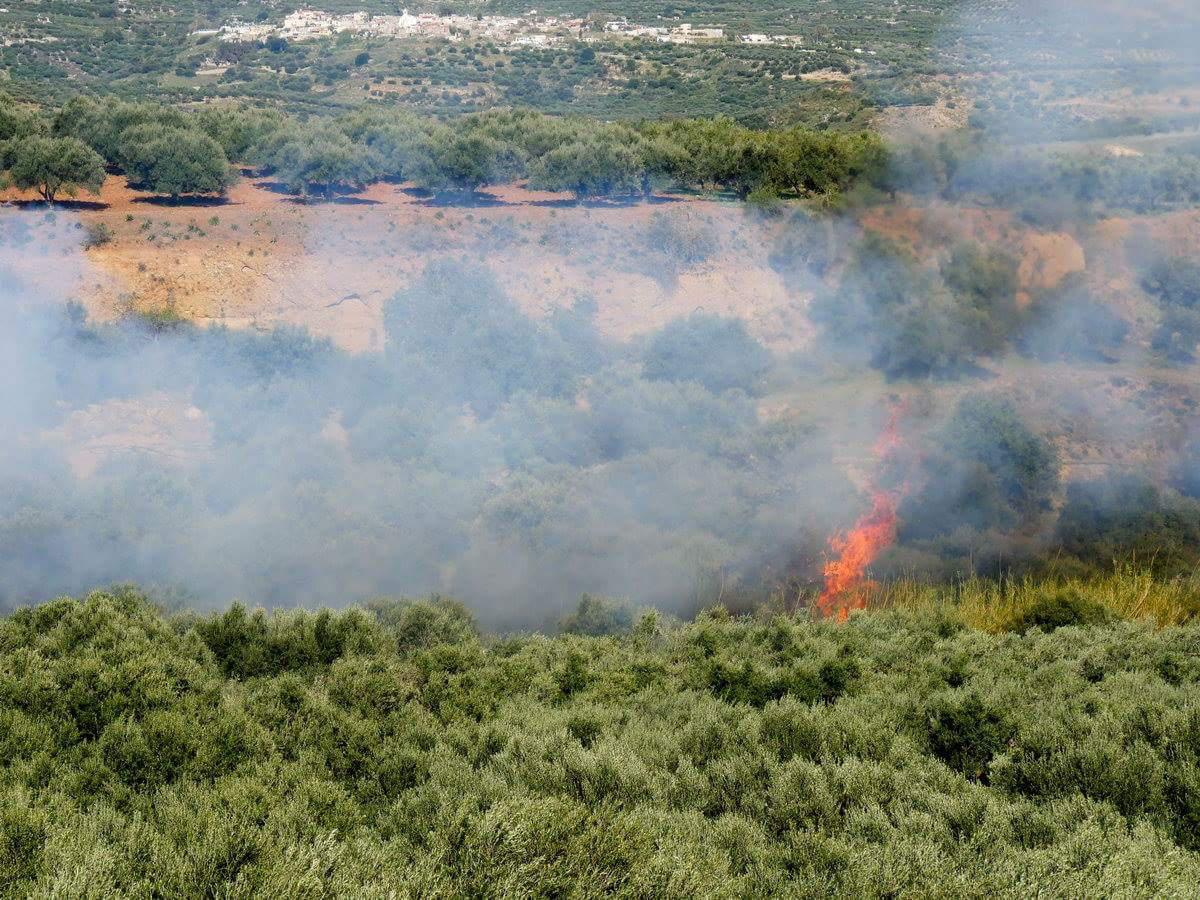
{"x": 992, "y": 605}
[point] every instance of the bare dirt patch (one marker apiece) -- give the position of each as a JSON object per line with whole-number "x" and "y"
{"x": 260, "y": 258}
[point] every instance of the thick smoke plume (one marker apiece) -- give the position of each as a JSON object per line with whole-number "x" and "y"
{"x": 510, "y": 461}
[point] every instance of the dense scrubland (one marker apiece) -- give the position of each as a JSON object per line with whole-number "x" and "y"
{"x": 393, "y": 748}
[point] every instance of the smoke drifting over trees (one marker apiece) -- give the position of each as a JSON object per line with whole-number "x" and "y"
{"x": 513, "y": 462}
{"x": 519, "y": 462}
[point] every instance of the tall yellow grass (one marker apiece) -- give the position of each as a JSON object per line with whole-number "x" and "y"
{"x": 990, "y": 605}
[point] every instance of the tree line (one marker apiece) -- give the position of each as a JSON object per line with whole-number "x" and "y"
{"x": 177, "y": 152}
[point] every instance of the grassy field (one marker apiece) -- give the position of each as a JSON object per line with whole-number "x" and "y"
{"x": 968, "y": 743}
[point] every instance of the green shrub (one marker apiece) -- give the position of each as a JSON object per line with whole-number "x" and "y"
{"x": 1060, "y": 609}
{"x": 965, "y": 735}
{"x": 598, "y": 617}
{"x": 424, "y": 624}
{"x": 96, "y": 234}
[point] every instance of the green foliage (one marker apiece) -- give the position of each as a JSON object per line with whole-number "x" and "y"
{"x": 249, "y": 645}
{"x": 594, "y": 166}
{"x": 17, "y": 121}
{"x": 1130, "y": 516}
{"x": 966, "y": 735}
{"x": 53, "y": 166}
{"x": 1175, "y": 283}
{"x": 715, "y": 352}
{"x": 907, "y": 320}
{"x": 423, "y": 625}
{"x": 173, "y": 151}
{"x": 984, "y": 283}
{"x": 310, "y": 754}
{"x": 174, "y": 161}
{"x": 989, "y": 470}
{"x": 316, "y": 158}
{"x": 1059, "y": 609}
{"x": 102, "y": 124}
{"x": 454, "y": 162}
{"x": 598, "y": 617}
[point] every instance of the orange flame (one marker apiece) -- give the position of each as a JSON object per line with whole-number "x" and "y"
{"x": 854, "y": 551}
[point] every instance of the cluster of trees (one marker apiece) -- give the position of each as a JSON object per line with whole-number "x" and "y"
{"x": 33, "y": 159}
{"x": 159, "y": 148}
{"x": 1048, "y": 188}
{"x": 1174, "y": 283}
{"x": 913, "y": 320}
{"x": 909, "y": 320}
{"x": 986, "y": 497}
{"x": 395, "y": 749}
{"x": 984, "y": 470}
{"x": 584, "y": 157}
{"x": 173, "y": 152}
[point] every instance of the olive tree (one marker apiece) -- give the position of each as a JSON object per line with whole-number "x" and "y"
{"x": 174, "y": 161}
{"x": 54, "y": 166}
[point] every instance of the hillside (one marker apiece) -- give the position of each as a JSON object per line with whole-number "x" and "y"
{"x": 392, "y": 750}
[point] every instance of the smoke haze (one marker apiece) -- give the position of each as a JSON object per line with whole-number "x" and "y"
{"x": 518, "y": 462}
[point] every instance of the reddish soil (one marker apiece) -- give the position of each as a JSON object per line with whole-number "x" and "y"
{"x": 260, "y": 258}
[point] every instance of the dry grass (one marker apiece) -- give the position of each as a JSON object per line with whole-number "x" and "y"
{"x": 1127, "y": 592}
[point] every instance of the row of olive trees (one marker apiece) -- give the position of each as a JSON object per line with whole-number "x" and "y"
{"x": 159, "y": 149}
{"x": 579, "y": 156}
{"x": 173, "y": 152}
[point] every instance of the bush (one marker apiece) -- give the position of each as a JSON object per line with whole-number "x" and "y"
{"x": 1060, "y": 609}
{"x": 715, "y": 352}
{"x": 966, "y": 735}
{"x": 96, "y": 234}
{"x": 425, "y": 624}
{"x": 598, "y": 617}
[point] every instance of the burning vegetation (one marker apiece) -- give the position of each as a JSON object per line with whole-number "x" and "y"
{"x": 716, "y": 633}
{"x": 853, "y": 552}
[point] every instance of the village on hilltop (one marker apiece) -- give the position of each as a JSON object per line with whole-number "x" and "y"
{"x": 526, "y": 30}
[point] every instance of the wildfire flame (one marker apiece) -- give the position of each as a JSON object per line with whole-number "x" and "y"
{"x": 853, "y": 552}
